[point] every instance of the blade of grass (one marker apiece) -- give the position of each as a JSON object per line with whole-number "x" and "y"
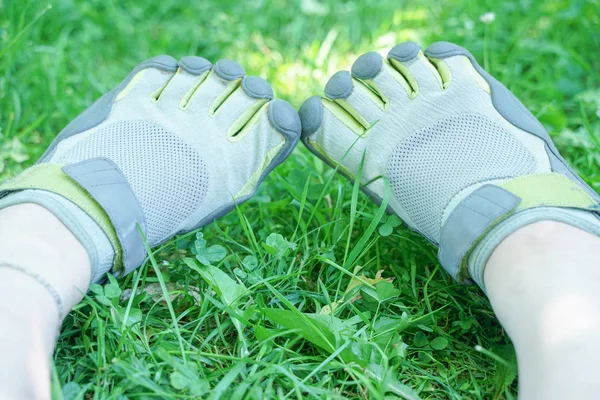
{"x": 165, "y": 292}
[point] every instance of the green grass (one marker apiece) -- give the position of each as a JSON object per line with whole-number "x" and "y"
{"x": 214, "y": 338}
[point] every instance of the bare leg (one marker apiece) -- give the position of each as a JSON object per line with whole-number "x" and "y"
{"x": 544, "y": 284}
{"x": 33, "y": 239}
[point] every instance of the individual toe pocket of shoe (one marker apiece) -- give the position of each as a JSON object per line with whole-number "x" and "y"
{"x": 272, "y": 131}
{"x": 224, "y": 78}
{"x": 459, "y": 65}
{"x": 265, "y": 142}
{"x": 284, "y": 120}
{"x": 423, "y": 77}
{"x": 238, "y": 110}
{"x": 356, "y": 98}
{"x": 178, "y": 90}
{"x": 332, "y": 134}
{"x": 146, "y": 78}
{"x": 382, "y": 79}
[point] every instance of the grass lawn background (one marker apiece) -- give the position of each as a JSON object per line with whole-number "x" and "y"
{"x": 263, "y": 327}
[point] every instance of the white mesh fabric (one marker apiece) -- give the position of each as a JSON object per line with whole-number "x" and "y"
{"x": 160, "y": 167}
{"x": 432, "y": 165}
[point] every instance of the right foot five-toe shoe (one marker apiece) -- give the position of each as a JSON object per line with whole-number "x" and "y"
{"x": 174, "y": 146}
{"x": 466, "y": 162}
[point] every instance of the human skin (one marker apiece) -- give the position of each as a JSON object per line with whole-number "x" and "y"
{"x": 542, "y": 282}
{"x": 33, "y": 239}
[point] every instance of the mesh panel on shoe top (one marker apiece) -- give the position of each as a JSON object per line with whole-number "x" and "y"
{"x": 428, "y": 168}
{"x": 168, "y": 176}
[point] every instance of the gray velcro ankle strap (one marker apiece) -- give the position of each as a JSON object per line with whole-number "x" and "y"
{"x": 105, "y": 182}
{"x": 468, "y": 222}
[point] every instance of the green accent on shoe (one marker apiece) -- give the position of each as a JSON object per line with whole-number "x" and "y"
{"x": 246, "y": 121}
{"x": 355, "y": 114}
{"x": 231, "y": 87}
{"x": 411, "y": 86}
{"x": 444, "y": 72}
{"x": 549, "y": 190}
{"x": 252, "y": 183}
{"x": 344, "y": 116}
{"x": 51, "y": 177}
{"x": 316, "y": 146}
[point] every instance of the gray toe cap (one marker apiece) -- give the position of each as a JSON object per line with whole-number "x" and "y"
{"x": 446, "y": 49}
{"x": 367, "y": 66}
{"x": 162, "y": 62}
{"x": 229, "y": 70}
{"x": 257, "y": 87}
{"x": 311, "y": 115}
{"x": 285, "y": 119}
{"x": 339, "y": 86}
{"x": 195, "y": 65}
{"x": 404, "y": 52}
